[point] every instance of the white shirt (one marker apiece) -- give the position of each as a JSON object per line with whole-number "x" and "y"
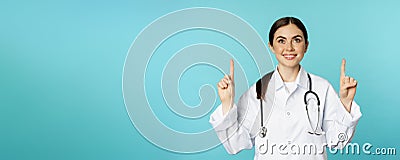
{"x": 286, "y": 120}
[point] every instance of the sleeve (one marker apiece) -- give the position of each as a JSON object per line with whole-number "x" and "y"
{"x": 233, "y": 128}
{"x": 339, "y": 125}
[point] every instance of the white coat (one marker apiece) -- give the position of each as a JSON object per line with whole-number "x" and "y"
{"x": 286, "y": 120}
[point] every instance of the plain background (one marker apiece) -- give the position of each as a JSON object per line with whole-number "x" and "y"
{"x": 61, "y": 72}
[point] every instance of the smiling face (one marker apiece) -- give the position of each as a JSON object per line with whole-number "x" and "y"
{"x": 289, "y": 46}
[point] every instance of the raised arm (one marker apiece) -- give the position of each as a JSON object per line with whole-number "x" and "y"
{"x": 226, "y": 90}
{"x": 348, "y": 87}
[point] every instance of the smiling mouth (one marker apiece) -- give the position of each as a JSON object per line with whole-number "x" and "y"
{"x": 289, "y": 56}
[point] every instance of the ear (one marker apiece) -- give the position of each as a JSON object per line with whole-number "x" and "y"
{"x": 306, "y": 46}
{"x": 271, "y": 47}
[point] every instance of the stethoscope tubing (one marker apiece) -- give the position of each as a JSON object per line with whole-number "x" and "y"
{"x": 263, "y": 130}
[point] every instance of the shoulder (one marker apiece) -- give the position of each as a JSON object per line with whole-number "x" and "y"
{"x": 318, "y": 79}
{"x": 320, "y": 82}
{"x": 251, "y": 92}
{"x": 249, "y": 98}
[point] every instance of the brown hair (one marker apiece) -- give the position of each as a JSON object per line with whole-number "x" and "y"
{"x": 283, "y": 22}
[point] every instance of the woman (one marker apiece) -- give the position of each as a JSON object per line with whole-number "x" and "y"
{"x": 296, "y": 125}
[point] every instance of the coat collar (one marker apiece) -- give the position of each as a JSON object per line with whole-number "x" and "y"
{"x": 301, "y": 79}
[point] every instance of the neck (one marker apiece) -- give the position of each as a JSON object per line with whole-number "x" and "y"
{"x": 288, "y": 74}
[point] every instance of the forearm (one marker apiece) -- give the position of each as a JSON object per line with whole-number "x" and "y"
{"x": 340, "y": 129}
{"x": 233, "y": 136}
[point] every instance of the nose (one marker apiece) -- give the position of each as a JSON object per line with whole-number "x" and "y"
{"x": 289, "y": 47}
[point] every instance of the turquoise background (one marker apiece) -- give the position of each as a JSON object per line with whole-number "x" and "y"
{"x": 61, "y": 72}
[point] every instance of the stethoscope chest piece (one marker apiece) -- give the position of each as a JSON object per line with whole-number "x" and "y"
{"x": 260, "y": 94}
{"x": 263, "y": 132}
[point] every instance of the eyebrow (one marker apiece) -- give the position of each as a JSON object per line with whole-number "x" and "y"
{"x": 286, "y": 38}
{"x": 280, "y": 37}
{"x": 298, "y": 36}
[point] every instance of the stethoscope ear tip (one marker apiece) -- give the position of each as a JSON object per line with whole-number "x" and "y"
{"x": 263, "y": 132}
{"x": 317, "y": 133}
{"x": 262, "y": 135}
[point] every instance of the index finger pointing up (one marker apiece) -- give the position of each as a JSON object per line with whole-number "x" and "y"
{"x": 343, "y": 69}
{"x": 232, "y": 70}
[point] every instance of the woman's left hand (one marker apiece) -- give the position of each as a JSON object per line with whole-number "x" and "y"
{"x": 348, "y": 87}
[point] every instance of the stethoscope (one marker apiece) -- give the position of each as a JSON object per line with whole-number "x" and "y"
{"x": 263, "y": 130}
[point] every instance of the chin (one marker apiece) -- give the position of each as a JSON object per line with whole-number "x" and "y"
{"x": 290, "y": 64}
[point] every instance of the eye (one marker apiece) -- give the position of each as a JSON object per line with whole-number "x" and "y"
{"x": 281, "y": 41}
{"x": 297, "y": 40}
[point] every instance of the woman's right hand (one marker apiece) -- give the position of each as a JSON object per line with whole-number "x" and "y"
{"x": 226, "y": 90}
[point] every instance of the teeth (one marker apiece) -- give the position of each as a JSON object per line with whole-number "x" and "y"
{"x": 289, "y": 55}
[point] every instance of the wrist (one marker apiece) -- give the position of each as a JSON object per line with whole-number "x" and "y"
{"x": 347, "y": 104}
{"x": 226, "y": 106}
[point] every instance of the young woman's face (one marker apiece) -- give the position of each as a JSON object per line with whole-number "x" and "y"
{"x": 289, "y": 45}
